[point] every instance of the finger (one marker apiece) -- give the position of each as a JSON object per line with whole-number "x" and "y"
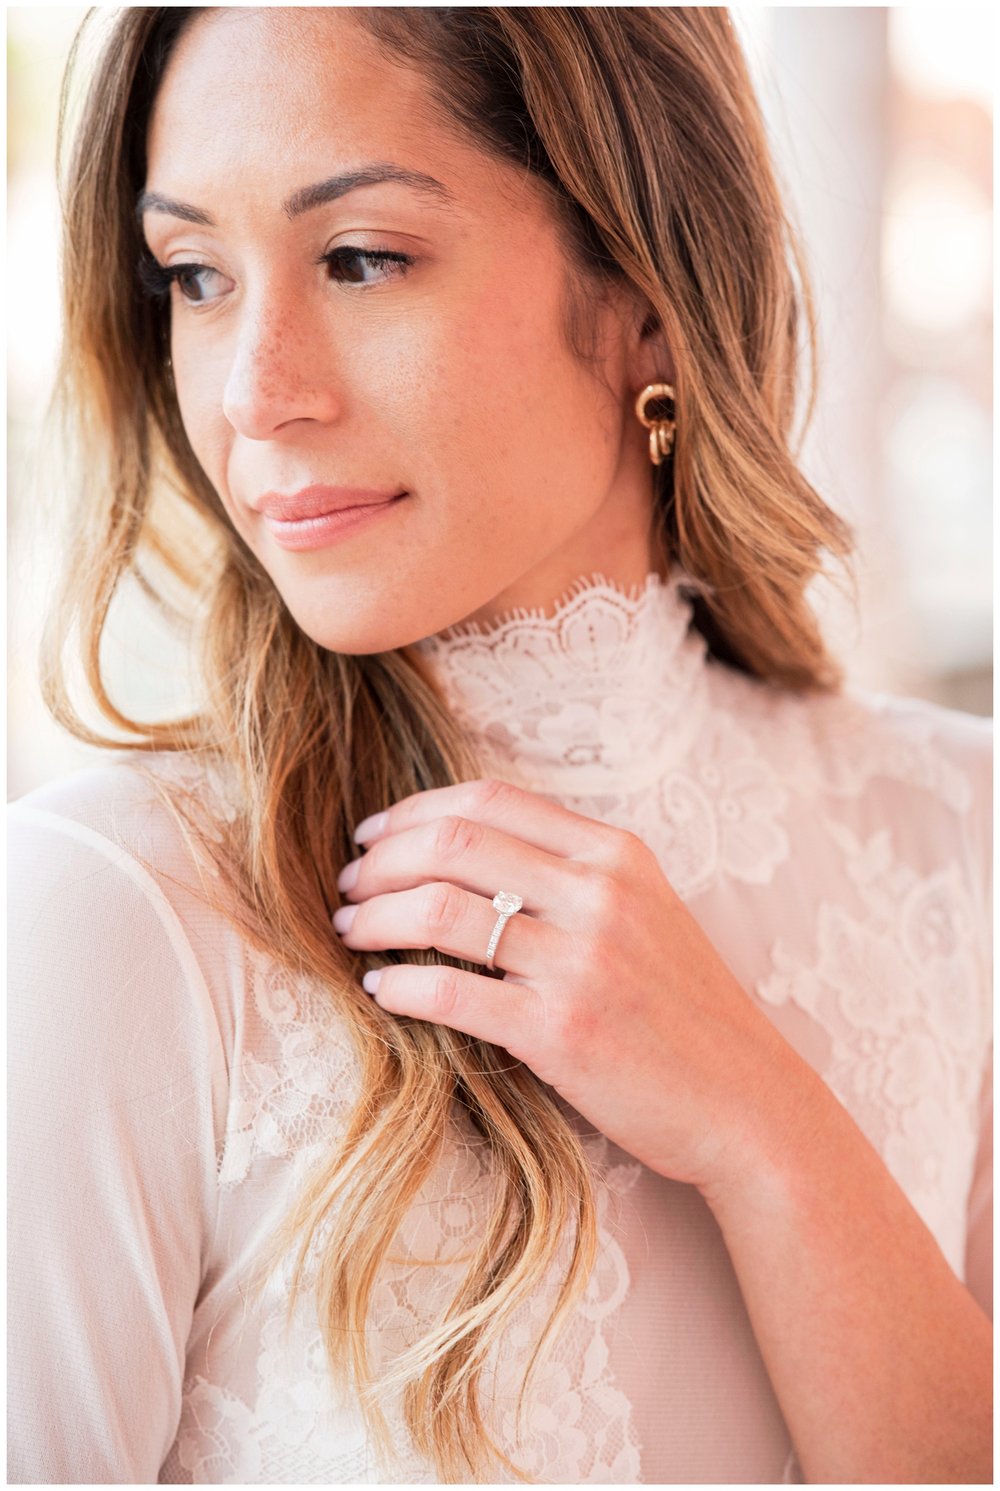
{"x": 495, "y": 1010}
{"x": 523, "y": 814}
{"x": 474, "y": 857}
{"x": 455, "y": 921}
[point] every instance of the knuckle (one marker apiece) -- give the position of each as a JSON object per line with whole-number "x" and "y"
{"x": 446, "y": 996}
{"x": 620, "y": 851}
{"x": 444, "y": 907}
{"x": 632, "y": 847}
{"x": 606, "y": 897}
{"x": 490, "y": 793}
{"x": 455, "y": 837}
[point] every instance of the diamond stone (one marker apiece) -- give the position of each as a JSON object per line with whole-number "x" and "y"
{"x": 506, "y": 901}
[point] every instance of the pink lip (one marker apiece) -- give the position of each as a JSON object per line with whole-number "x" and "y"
{"x": 316, "y": 501}
{"x": 327, "y": 527}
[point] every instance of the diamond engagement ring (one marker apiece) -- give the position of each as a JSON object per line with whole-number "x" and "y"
{"x": 506, "y": 902}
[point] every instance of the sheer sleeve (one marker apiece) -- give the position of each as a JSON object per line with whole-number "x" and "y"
{"x": 117, "y": 1084}
{"x": 979, "y": 1236}
{"x": 979, "y": 1210}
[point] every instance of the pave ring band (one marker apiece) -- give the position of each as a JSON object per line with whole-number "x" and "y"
{"x": 506, "y": 903}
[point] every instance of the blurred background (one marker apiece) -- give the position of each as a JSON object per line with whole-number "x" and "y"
{"x": 881, "y": 124}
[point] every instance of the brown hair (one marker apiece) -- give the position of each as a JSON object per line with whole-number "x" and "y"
{"x": 643, "y": 124}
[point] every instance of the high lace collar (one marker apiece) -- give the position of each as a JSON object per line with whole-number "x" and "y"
{"x": 598, "y": 698}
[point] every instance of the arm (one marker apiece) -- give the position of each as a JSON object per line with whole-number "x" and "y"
{"x": 113, "y": 1061}
{"x": 880, "y": 1357}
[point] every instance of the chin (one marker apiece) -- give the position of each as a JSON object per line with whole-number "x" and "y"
{"x": 367, "y": 635}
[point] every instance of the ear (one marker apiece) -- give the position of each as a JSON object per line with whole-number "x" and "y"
{"x": 649, "y": 357}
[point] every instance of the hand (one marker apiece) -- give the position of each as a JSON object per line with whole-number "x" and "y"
{"x": 613, "y": 994}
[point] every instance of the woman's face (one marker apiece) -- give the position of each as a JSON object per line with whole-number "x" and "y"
{"x": 444, "y": 374}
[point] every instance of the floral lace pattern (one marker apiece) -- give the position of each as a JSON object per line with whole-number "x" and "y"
{"x": 303, "y": 1084}
{"x": 908, "y": 1067}
{"x": 722, "y": 816}
{"x": 837, "y": 745}
{"x": 576, "y": 1413}
{"x": 290, "y": 1106}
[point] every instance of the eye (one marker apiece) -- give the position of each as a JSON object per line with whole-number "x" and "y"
{"x": 155, "y": 280}
{"x": 346, "y": 257}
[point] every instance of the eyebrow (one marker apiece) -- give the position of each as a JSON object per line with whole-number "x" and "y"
{"x": 309, "y": 197}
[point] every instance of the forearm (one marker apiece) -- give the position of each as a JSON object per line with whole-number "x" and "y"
{"x": 879, "y": 1356}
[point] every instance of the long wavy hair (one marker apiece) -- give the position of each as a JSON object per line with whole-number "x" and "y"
{"x": 643, "y": 123}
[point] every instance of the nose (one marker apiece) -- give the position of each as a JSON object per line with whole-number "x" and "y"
{"x": 279, "y": 371}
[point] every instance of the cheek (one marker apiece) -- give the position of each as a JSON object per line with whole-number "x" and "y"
{"x": 191, "y": 418}
{"x": 199, "y": 399}
{"x": 485, "y": 380}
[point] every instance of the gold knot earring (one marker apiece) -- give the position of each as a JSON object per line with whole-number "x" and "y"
{"x": 661, "y": 431}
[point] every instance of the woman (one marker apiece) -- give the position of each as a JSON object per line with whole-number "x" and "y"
{"x": 700, "y": 1195}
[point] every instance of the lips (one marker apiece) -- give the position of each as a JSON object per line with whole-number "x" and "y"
{"x": 316, "y": 501}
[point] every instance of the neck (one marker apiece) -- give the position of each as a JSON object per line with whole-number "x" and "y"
{"x": 621, "y": 542}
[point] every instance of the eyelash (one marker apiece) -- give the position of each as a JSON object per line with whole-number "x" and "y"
{"x": 155, "y": 280}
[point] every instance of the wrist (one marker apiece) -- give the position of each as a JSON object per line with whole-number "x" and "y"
{"x": 779, "y": 1137}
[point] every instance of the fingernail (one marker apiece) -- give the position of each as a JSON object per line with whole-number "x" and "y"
{"x": 343, "y": 917}
{"x": 368, "y": 828}
{"x": 348, "y": 877}
{"x": 372, "y": 979}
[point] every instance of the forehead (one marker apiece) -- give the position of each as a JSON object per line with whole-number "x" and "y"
{"x": 275, "y": 91}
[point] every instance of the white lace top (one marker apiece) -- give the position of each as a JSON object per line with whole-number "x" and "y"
{"x": 168, "y": 1085}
